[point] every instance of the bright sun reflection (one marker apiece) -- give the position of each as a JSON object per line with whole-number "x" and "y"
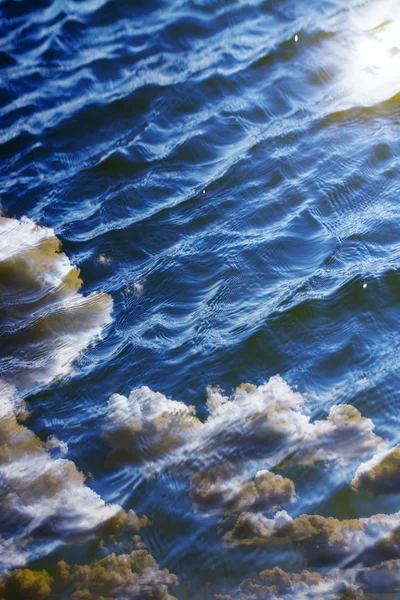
{"x": 374, "y": 62}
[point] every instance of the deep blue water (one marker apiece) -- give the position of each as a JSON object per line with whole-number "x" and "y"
{"x": 228, "y": 173}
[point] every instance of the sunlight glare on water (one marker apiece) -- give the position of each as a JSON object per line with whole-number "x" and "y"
{"x": 373, "y": 66}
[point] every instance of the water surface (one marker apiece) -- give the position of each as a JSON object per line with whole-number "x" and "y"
{"x": 198, "y": 195}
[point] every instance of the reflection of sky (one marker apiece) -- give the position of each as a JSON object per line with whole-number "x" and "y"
{"x": 373, "y": 65}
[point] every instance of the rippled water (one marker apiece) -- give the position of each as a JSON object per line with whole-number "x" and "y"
{"x": 198, "y": 195}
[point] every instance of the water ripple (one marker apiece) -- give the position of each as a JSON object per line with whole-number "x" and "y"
{"x": 228, "y": 173}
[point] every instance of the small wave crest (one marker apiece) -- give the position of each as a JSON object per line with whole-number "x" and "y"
{"x": 45, "y": 321}
{"x": 45, "y": 324}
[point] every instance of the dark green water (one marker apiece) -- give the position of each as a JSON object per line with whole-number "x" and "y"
{"x": 198, "y": 195}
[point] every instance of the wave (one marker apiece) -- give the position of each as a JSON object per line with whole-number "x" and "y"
{"x": 41, "y": 498}
{"x": 132, "y": 575}
{"x": 233, "y": 167}
{"x": 276, "y": 584}
{"x": 45, "y": 322}
{"x": 45, "y": 325}
{"x": 266, "y": 424}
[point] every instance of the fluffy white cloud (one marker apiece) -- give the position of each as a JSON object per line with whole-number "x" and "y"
{"x": 147, "y": 426}
{"x": 381, "y": 474}
{"x": 267, "y": 425}
{"x": 276, "y": 584}
{"x": 217, "y": 491}
{"x": 321, "y": 540}
{"x": 132, "y": 575}
{"x": 45, "y": 321}
{"x": 39, "y": 493}
{"x": 256, "y": 422}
